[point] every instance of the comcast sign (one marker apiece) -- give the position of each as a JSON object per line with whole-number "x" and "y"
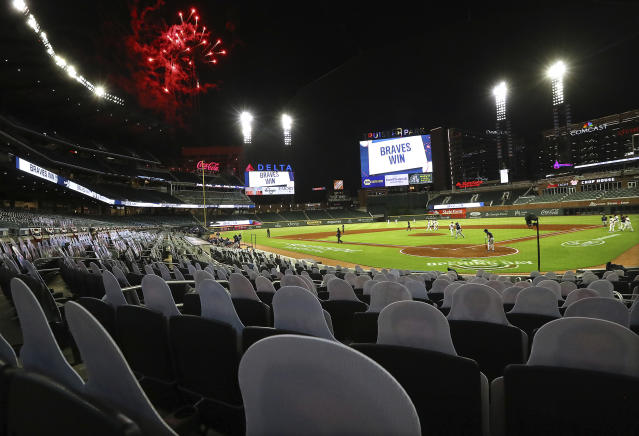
{"x": 588, "y": 128}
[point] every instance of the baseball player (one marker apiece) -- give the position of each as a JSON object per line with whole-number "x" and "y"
{"x": 459, "y": 231}
{"x": 629, "y": 224}
{"x": 451, "y": 228}
{"x": 611, "y": 224}
{"x": 408, "y": 228}
{"x": 429, "y": 224}
{"x": 436, "y": 225}
{"x": 490, "y": 241}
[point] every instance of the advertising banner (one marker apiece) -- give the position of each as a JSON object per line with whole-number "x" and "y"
{"x": 258, "y": 179}
{"x": 397, "y": 154}
{"x": 396, "y": 180}
{"x": 513, "y": 213}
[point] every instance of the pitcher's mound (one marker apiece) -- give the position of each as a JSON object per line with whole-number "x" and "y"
{"x": 458, "y": 251}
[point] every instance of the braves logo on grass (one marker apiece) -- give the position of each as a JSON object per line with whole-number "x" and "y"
{"x": 588, "y": 242}
{"x": 474, "y": 264}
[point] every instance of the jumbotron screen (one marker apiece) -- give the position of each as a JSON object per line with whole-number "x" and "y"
{"x": 269, "y": 183}
{"x": 388, "y": 162}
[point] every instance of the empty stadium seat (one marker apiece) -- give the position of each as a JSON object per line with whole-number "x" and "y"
{"x": 414, "y": 337}
{"x": 534, "y": 307}
{"x": 481, "y": 331}
{"x": 40, "y": 352}
{"x": 287, "y": 381}
{"x": 297, "y": 309}
{"x": 110, "y": 377}
{"x": 36, "y": 404}
{"x": 574, "y": 363}
{"x": 609, "y": 309}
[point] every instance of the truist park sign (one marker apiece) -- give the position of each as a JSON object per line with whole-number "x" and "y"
{"x": 588, "y": 128}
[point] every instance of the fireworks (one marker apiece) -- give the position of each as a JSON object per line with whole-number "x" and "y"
{"x": 167, "y": 59}
{"x": 175, "y": 54}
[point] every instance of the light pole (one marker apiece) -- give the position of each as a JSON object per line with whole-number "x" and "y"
{"x": 560, "y": 111}
{"x": 287, "y": 123}
{"x": 246, "y": 121}
{"x": 504, "y": 154}
{"x": 533, "y": 220}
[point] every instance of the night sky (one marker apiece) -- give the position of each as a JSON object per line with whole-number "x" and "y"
{"x": 342, "y": 69}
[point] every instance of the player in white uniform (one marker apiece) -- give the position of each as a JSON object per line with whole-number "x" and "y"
{"x": 429, "y": 223}
{"x": 611, "y": 224}
{"x": 451, "y": 227}
{"x": 629, "y": 224}
{"x": 436, "y": 225}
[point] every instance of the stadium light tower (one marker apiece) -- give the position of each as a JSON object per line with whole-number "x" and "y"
{"x": 500, "y": 92}
{"x": 504, "y": 138}
{"x": 246, "y": 120}
{"x": 561, "y": 110}
{"x": 556, "y": 74}
{"x": 287, "y": 123}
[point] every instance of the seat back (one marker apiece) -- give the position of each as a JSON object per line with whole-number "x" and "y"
{"x": 365, "y": 327}
{"x": 477, "y": 302}
{"x": 252, "y": 312}
{"x": 216, "y": 305}
{"x": 36, "y": 404}
{"x": 606, "y": 308}
{"x": 537, "y": 301}
{"x": 110, "y": 377}
{"x": 448, "y": 294}
{"x": 241, "y": 287}
{"x": 40, "y": 351}
{"x": 573, "y": 364}
{"x": 206, "y": 355}
{"x": 112, "y": 289}
{"x": 291, "y": 382}
{"x": 342, "y": 316}
{"x": 263, "y": 284}
{"x": 566, "y": 288}
{"x": 492, "y": 346}
{"x": 414, "y": 324}
{"x": 385, "y": 293}
{"x": 339, "y": 289}
{"x": 603, "y": 287}
{"x": 451, "y": 402}
{"x": 416, "y": 288}
{"x": 102, "y": 311}
{"x": 143, "y": 338}
{"x": 157, "y": 295}
{"x": 297, "y": 309}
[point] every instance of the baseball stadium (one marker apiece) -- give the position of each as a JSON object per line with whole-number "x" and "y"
{"x": 565, "y": 243}
{"x": 319, "y": 218}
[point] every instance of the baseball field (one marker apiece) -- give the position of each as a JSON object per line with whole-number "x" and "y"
{"x": 567, "y": 243}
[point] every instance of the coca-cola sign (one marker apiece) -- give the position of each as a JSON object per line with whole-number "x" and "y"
{"x": 208, "y": 166}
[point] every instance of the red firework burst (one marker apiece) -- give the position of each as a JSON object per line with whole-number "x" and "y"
{"x": 166, "y": 59}
{"x": 176, "y": 53}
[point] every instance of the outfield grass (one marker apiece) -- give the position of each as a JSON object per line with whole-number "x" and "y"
{"x": 580, "y": 249}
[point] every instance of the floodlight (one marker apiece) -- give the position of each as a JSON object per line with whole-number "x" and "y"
{"x": 72, "y": 72}
{"x": 556, "y": 74}
{"x": 99, "y": 91}
{"x": 246, "y": 120}
{"x": 500, "y": 91}
{"x": 20, "y": 5}
{"x": 557, "y": 70}
{"x": 287, "y": 123}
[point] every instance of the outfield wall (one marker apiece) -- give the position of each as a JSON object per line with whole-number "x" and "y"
{"x": 321, "y": 222}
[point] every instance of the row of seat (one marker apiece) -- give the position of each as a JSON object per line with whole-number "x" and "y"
{"x": 412, "y": 381}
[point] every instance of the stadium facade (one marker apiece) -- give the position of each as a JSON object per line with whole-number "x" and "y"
{"x": 609, "y": 142}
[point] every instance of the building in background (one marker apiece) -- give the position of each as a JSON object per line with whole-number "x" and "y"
{"x": 605, "y": 143}
{"x": 476, "y": 156}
